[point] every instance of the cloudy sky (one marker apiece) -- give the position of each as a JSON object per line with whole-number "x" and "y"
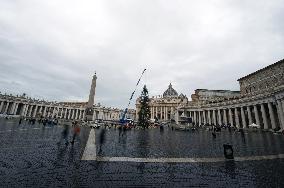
{"x": 50, "y": 49}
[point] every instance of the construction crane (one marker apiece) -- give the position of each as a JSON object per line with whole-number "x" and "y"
{"x": 122, "y": 120}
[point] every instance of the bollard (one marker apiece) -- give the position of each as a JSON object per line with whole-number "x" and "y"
{"x": 228, "y": 151}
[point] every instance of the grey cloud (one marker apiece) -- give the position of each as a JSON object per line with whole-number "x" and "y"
{"x": 51, "y": 49}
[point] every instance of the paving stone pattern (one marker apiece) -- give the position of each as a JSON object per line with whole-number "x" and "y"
{"x": 30, "y": 156}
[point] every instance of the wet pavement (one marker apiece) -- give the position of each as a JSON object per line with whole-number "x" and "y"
{"x": 34, "y": 156}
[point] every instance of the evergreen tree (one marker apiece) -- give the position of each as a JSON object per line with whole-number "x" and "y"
{"x": 144, "y": 114}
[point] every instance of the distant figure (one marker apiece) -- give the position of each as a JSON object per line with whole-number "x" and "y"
{"x": 64, "y": 134}
{"x": 20, "y": 121}
{"x": 102, "y": 139}
{"x": 76, "y": 131}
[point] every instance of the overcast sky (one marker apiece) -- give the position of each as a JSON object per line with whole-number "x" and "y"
{"x": 50, "y": 49}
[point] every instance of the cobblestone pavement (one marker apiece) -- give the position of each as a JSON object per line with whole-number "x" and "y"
{"x": 33, "y": 156}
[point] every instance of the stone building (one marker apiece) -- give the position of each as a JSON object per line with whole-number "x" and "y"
{"x": 164, "y": 107}
{"x": 27, "y": 107}
{"x": 205, "y": 95}
{"x": 261, "y": 101}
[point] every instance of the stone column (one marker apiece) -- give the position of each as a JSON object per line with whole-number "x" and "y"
{"x": 35, "y": 112}
{"x": 199, "y": 118}
{"x": 83, "y": 114}
{"x": 194, "y": 116}
{"x": 209, "y": 117}
{"x": 6, "y": 109}
{"x": 65, "y": 113}
{"x": 156, "y": 113}
{"x": 249, "y": 115}
{"x": 1, "y": 106}
{"x": 16, "y": 109}
{"x": 167, "y": 112}
{"x": 70, "y": 113}
{"x": 225, "y": 117}
{"x": 77, "y": 114}
{"x": 280, "y": 113}
{"x": 243, "y": 118}
{"x": 265, "y": 123}
{"x": 214, "y": 118}
{"x": 73, "y": 114}
{"x": 237, "y": 118}
{"x": 219, "y": 117}
{"x": 256, "y": 115}
{"x": 26, "y": 110}
{"x": 271, "y": 115}
{"x": 13, "y": 108}
{"x": 31, "y": 110}
{"x": 204, "y": 117}
{"x": 231, "y": 117}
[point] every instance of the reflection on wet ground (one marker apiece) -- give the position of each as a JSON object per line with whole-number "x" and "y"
{"x": 36, "y": 156}
{"x": 151, "y": 143}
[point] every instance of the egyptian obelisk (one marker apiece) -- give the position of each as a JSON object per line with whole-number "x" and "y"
{"x": 89, "y": 107}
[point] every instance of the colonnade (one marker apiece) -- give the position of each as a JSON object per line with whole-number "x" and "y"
{"x": 34, "y": 110}
{"x": 268, "y": 114}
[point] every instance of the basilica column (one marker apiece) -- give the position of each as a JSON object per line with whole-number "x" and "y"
{"x": 209, "y": 117}
{"x": 164, "y": 113}
{"x": 204, "y": 117}
{"x": 271, "y": 115}
{"x": 249, "y": 115}
{"x": 156, "y": 112}
{"x": 194, "y": 115}
{"x": 225, "y": 117}
{"x": 256, "y": 115}
{"x": 167, "y": 112}
{"x": 219, "y": 117}
{"x": 237, "y": 118}
{"x": 231, "y": 117}
{"x": 265, "y": 123}
{"x": 243, "y": 118}
{"x": 214, "y": 118}
{"x": 199, "y": 117}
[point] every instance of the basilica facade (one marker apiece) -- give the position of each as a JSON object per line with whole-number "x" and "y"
{"x": 163, "y": 107}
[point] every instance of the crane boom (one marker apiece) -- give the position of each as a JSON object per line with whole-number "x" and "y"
{"x": 122, "y": 120}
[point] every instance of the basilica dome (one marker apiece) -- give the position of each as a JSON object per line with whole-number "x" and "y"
{"x": 170, "y": 92}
